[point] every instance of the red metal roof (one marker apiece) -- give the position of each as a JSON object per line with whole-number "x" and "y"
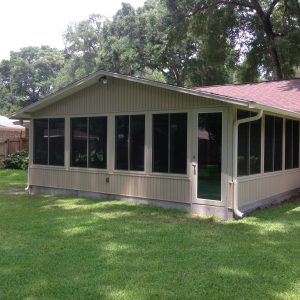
{"x": 283, "y": 94}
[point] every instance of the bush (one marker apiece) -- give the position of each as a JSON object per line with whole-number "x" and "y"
{"x": 18, "y": 160}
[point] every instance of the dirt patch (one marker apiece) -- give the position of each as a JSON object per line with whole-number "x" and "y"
{"x": 292, "y": 199}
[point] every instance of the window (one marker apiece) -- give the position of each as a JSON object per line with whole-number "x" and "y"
{"x": 97, "y": 142}
{"x": 130, "y": 142}
{"x": 89, "y": 142}
{"x": 170, "y": 143}
{"x": 291, "y": 144}
{"x": 249, "y": 145}
{"x": 49, "y": 142}
{"x": 273, "y": 143}
{"x": 40, "y": 155}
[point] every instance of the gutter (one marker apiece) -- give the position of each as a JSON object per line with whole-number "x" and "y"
{"x": 236, "y": 124}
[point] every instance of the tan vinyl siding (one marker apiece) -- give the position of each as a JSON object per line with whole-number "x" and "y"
{"x": 140, "y": 186}
{"x": 123, "y": 96}
{"x": 266, "y": 186}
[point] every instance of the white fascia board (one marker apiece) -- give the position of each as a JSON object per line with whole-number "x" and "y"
{"x": 92, "y": 79}
{"x": 26, "y": 112}
{"x": 278, "y": 111}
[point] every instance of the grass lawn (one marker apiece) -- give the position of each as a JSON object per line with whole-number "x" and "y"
{"x": 75, "y": 248}
{"x": 12, "y": 179}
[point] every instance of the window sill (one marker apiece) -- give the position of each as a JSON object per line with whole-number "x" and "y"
{"x": 114, "y": 172}
{"x": 169, "y": 175}
{"x": 267, "y": 174}
{"x": 47, "y": 167}
{"x": 131, "y": 172}
{"x": 87, "y": 170}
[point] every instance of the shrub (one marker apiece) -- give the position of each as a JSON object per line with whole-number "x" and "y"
{"x": 18, "y": 160}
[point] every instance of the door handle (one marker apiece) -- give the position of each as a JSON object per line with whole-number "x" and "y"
{"x": 194, "y": 166}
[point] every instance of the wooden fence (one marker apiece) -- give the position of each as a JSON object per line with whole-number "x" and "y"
{"x": 11, "y": 146}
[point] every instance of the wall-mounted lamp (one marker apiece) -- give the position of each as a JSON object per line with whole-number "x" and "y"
{"x": 103, "y": 80}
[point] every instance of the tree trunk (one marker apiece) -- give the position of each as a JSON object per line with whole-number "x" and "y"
{"x": 178, "y": 77}
{"x": 270, "y": 40}
{"x": 276, "y": 65}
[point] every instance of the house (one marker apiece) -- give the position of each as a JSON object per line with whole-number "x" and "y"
{"x": 8, "y": 130}
{"x": 219, "y": 150}
{"x": 12, "y": 138}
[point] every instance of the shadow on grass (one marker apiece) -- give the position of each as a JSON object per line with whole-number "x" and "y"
{"x": 63, "y": 248}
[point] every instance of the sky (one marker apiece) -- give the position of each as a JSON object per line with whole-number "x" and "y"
{"x": 42, "y": 22}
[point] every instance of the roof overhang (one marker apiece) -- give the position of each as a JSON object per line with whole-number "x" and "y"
{"x": 25, "y": 113}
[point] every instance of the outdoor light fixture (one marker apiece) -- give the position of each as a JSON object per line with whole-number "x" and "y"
{"x": 103, "y": 80}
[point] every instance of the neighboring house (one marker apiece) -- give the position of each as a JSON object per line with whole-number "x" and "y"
{"x": 12, "y": 138}
{"x": 211, "y": 150}
{"x": 8, "y": 130}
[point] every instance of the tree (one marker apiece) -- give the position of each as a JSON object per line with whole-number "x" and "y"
{"x": 268, "y": 27}
{"x": 121, "y": 49}
{"x": 7, "y": 101}
{"x": 29, "y": 74}
{"x": 185, "y": 57}
{"x": 82, "y": 44}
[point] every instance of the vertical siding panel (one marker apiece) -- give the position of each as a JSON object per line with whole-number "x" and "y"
{"x": 267, "y": 186}
{"x": 177, "y": 101}
{"x": 137, "y": 100}
{"x": 149, "y": 188}
{"x": 125, "y": 97}
{"x": 126, "y": 90}
{"x": 120, "y": 95}
{"x": 136, "y": 186}
{"x": 168, "y": 189}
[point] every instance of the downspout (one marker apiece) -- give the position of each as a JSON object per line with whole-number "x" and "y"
{"x": 236, "y": 124}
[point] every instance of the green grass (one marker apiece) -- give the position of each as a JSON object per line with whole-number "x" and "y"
{"x": 75, "y": 248}
{"x": 12, "y": 178}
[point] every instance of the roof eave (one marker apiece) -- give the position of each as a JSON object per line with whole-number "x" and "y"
{"x": 278, "y": 111}
{"x": 26, "y": 113}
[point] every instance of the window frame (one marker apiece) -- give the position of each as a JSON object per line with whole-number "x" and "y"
{"x": 113, "y": 153}
{"x": 285, "y": 169}
{"x": 274, "y": 143}
{"x": 32, "y": 143}
{"x": 249, "y": 150}
{"x": 169, "y": 174}
{"x": 88, "y": 169}
{"x": 263, "y": 172}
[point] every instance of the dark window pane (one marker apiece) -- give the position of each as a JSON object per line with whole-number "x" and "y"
{"x": 243, "y": 149}
{"x": 209, "y": 155}
{"x": 56, "y": 142}
{"x": 121, "y": 143}
{"x": 137, "y": 142}
{"x": 243, "y": 144}
{"x": 40, "y": 151}
{"x": 278, "y": 144}
{"x": 178, "y": 143}
{"x": 288, "y": 144}
{"x": 295, "y": 144}
{"x": 255, "y": 146}
{"x": 249, "y": 145}
{"x": 97, "y": 142}
{"x": 269, "y": 143}
{"x": 242, "y": 114}
{"x": 160, "y": 142}
{"x": 79, "y": 142}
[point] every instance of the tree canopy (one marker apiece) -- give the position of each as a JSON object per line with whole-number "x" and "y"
{"x": 266, "y": 31}
{"x": 28, "y": 75}
{"x": 181, "y": 42}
